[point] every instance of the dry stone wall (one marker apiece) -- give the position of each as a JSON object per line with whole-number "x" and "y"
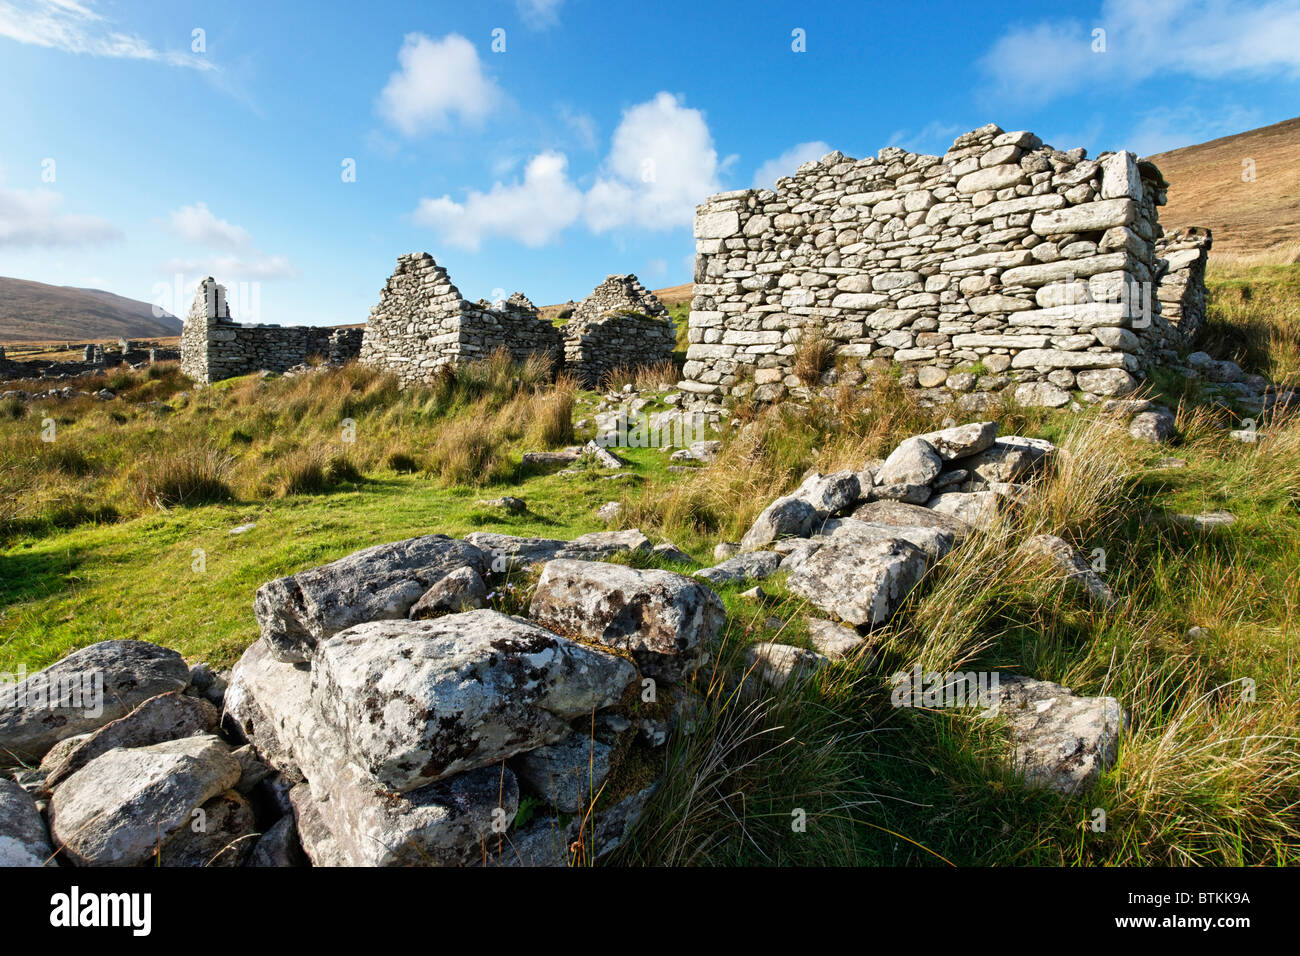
{"x": 620, "y": 325}
{"x": 214, "y": 346}
{"x": 1003, "y": 264}
{"x": 1183, "y": 256}
{"x": 422, "y": 322}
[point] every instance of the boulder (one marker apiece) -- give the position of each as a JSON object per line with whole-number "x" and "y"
{"x": 345, "y": 817}
{"x": 506, "y": 551}
{"x": 1156, "y": 426}
{"x": 976, "y": 509}
{"x": 567, "y": 773}
{"x": 914, "y": 462}
{"x": 1011, "y": 459}
{"x": 222, "y": 833}
{"x": 546, "y": 842}
{"x": 1069, "y": 563}
{"x": 670, "y": 552}
{"x": 829, "y": 494}
{"x": 858, "y": 581}
{"x": 776, "y": 664}
{"x": 905, "y": 515}
{"x": 795, "y": 551}
{"x": 962, "y": 441}
{"x": 381, "y": 583}
{"x": 24, "y": 841}
{"x": 935, "y": 542}
{"x": 119, "y": 809}
{"x": 417, "y": 701}
{"x": 753, "y": 565}
{"x": 666, "y": 621}
{"x": 834, "y": 641}
{"x": 87, "y": 689}
{"x": 785, "y": 517}
{"x": 165, "y": 717}
{"x": 1060, "y": 741}
{"x": 461, "y": 590}
{"x": 279, "y": 846}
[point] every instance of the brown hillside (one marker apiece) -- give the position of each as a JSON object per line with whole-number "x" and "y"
{"x": 36, "y": 312}
{"x": 1248, "y": 218}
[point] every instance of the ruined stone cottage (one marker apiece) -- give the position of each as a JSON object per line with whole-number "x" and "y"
{"x": 1003, "y": 264}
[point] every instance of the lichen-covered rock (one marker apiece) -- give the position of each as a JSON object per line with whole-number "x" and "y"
{"x": 666, "y": 621}
{"x": 776, "y": 664}
{"x": 221, "y": 833}
{"x": 935, "y": 542}
{"x": 567, "y": 773}
{"x": 860, "y": 582}
{"x": 345, "y": 817}
{"x": 750, "y": 566}
{"x": 1061, "y": 741}
{"x": 1157, "y": 426}
{"x": 506, "y": 551}
{"x": 461, "y": 590}
{"x": 786, "y": 517}
{"x": 1011, "y": 459}
{"x": 977, "y": 509}
{"x": 87, "y": 689}
{"x": 24, "y": 841}
{"x": 1070, "y": 564}
{"x": 414, "y": 702}
{"x": 119, "y": 809}
{"x": 914, "y": 462}
{"x": 165, "y": 717}
{"x": 834, "y": 641}
{"x": 381, "y": 583}
{"x": 961, "y": 441}
{"x": 902, "y": 514}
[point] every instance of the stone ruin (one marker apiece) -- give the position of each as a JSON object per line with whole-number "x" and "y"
{"x": 620, "y": 325}
{"x": 1003, "y": 264}
{"x": 214, "y": 346}
{"x": 422, "y": 322}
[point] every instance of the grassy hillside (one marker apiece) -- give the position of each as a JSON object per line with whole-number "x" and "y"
{"x": 1257, "y": 216}
{"x": 36, "y": 312}
{"x": 124, "y": 527}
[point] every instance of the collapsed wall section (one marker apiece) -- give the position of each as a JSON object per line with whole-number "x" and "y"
{"x": 621, "y": 325}
{"x": 422, "y": 322}
{"x": 214, "y": 346}
{"x": 1003, "y": 264}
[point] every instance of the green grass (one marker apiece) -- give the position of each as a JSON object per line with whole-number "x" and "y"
{"x": 1204, "y": 777}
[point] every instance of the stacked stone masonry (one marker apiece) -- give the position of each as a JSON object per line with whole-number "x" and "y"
{"x": 620, "y": 325}
{"x": 213, "y": 346}
{"x": 422, "y": 322}
{"x": 1002, "y": 264}
{"x": 1183, "y": 256}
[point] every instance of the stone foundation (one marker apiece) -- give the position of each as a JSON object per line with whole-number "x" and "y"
{"x": 213, "y": 346}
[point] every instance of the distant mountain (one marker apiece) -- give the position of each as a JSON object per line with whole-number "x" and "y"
{"x": 1245, "y": 188}
{"x": 36, "y": 312}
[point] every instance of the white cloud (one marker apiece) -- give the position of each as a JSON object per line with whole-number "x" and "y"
{"x": 581, "y": 126}
{"x": 76, "y": 28}
{"x": 765, "y": 176}
{"x": 232, "y": 268}
{"x": 661, "y": 165}
{"x": 532, "y": 211}
{"x": 1206, "y": 39}
{"x": 539, "y": 14}
{"x": 31, "y": 217}
{"x": 238, "y": 260}
{"x": 197, "y": 224}
{"x": 438, "y": 78}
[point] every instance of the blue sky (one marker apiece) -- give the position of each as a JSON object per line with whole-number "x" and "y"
{"x": 136, "y": 154}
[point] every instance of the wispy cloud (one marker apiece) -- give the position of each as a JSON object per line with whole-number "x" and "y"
{"x": 33, "y": 218}
{"x": 74, "y": 27}
{"x": 1206, "y": 39}
{"x": 934, "y": 137}
{"x": 539, "y": 14}
{"x": 234, "y": 257}
{"x": 1166, "y": 127}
